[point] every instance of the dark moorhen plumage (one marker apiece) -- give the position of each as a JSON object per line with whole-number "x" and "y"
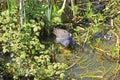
{"x": 63, "y": 36}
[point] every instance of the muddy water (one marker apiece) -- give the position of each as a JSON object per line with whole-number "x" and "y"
{"x": 91, "y": 64}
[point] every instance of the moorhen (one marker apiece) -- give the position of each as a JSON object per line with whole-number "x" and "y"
{"x": 63, "y": 36}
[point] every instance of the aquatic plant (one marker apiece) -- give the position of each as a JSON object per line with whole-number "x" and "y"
{"x": 24, "y": 47}
{"x": 95, "y": 31}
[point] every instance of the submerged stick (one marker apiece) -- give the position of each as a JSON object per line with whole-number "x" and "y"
{"x": 73, "y": 64}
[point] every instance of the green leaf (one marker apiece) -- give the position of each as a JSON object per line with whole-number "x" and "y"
{"x": 23, "y": 55}
{"x": 62, "y": 75}
{"x": 35, "y": 29}
{"x": 33, "y": 51}
{"x": 113, "y": 52}
{"x": 37, "y": 33}
{"x": 5, "y": 49}
{"x": 42, "y": 46}
{"x": 36, "y": 57}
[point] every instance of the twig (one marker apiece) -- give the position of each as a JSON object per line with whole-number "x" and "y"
{"x": 72, "y": 4}
{"x": 93, "y": 76}
{"x": 21, "y": 16}
{"x": 73, "y": 64}
{"x": 117, "y": 41}
{"x": 107, "y": 52}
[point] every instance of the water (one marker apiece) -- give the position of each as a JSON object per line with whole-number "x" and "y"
{"x": 90, "y": 64}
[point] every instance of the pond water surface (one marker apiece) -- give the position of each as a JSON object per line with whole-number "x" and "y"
{"x": 91, "y": 64}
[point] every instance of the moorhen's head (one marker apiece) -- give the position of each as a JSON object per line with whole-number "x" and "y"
{"x": 63, "y": 36}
